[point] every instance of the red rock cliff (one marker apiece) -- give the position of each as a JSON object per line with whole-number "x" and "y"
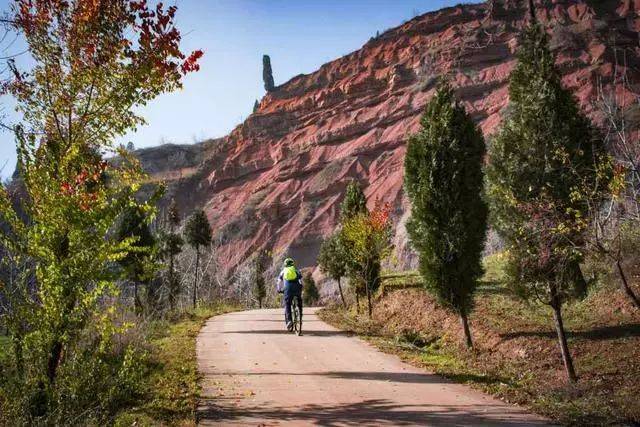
{"x": 277, "y": 180}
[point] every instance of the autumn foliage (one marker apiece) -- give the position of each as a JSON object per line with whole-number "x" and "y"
{"x": 367, "y": 239}
{"x": 94, "y": 63}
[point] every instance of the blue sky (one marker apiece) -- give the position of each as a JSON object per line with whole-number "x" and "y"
{"x": 299, "y": 35}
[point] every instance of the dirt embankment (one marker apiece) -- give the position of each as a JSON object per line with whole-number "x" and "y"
{"x": 516, "y": 355}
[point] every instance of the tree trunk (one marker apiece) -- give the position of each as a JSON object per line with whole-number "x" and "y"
{"x": 172, "y": 291}
{"x": 580, "y": 285}
{"x": 137, "y": 304}
{"x": 55, "y": 352}
{"x": 260, "y": 303}
{"x": 357, "y": 302}
{"x": 18, "y": 353}
{"x": 195, "y": 282}
{"x": 625, "y": 285}
{"x": 532, "y": 13}
{"x": 344, "y": 304}
{"x": 465, "y": 327}
{"x": 367, "y": 287}
{"x": 562, "y": 338}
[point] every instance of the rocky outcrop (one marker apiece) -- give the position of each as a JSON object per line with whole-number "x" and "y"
{"x": 277, "y": 180}
{"x": 267, "y": 74}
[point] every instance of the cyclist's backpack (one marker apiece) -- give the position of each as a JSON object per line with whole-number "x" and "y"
{"x": 290, "y": 274}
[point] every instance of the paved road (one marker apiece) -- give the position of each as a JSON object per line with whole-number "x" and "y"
{"x": 256, "y": 374}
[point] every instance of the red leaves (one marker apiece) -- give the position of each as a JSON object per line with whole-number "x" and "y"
{"x": 379, "y": 217}
{"x": 78, "y": 26}
{"x": 67, "y": 189}
{"x": 82, "y": 188}
{"x": 191, "y": 63}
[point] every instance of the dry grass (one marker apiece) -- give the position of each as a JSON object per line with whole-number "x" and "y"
{"x": 171, "y": 384}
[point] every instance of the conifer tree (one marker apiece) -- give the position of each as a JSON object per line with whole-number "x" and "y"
{"x": 259, "y": 288}
{"x": 197, "y": 233}
{"x": 444, "y": 180}
{"x": 310, "y": 292}
{"x": 354, "y": 202}
{"x": 133, "y": 224}
{"x": 172, "y": 244}
{"x": 546, "y": 164}
{"x": 332, "y": 261}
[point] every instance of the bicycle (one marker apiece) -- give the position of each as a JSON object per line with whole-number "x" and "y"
{"x": 296, "y": 317}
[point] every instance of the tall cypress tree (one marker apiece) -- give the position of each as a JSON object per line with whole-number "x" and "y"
{"x": 444, "y": 180}
{"x": 546, "y": 164}
{"x": 197, "y": 233}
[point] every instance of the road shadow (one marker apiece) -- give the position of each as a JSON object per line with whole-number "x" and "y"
{"x": 596, "y": 334}
{"x": 389, "y": 377}
{"x": 274, "y": 321}
{"x": 370, "y": 412}
{"x": 309, "y": 333}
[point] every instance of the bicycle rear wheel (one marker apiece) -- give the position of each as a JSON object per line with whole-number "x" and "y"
{"x": 296, "y": 317}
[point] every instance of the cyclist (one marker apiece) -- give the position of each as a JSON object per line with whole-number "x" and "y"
{"x": 290, "y": 283}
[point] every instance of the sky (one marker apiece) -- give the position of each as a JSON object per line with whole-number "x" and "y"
{"x": 299, "y": 36}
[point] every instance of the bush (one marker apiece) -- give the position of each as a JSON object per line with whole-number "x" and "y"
{"x": 310, "y": 292}
{"x": 90, "y": 388}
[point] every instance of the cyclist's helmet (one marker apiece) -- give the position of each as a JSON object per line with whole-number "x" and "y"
{"x": 288, "y": 262}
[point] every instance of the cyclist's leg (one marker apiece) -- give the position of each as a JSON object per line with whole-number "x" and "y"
{"x": 287, "y": 307}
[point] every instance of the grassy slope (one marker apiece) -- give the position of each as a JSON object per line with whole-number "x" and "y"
{"x": 516, "y": 356}
{"x": 171, "y": 388}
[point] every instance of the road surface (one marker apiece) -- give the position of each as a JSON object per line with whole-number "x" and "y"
{"x": 257, "y": 374}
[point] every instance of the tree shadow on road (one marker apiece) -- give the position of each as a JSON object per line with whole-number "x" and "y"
{"x": 371, "y": 412}
{"x": 388, "y": 377}
{"x": 310, "y": 333}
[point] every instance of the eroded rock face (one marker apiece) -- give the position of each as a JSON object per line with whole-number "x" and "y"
{"x": 277, "y": 180}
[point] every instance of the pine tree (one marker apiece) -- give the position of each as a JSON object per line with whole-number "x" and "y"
{"x": 256, "y": 106}
{"x": 332, "y": 261}
{"x": 310, "y": 292}
{"x": 546, "y": 163}
{"x": 133, "y": 224}
{"x": 354, "y": 202}
{"x": 259, "y": 288}
{"x": 444, "y": 180}
{"x": 172, "y": 244}
{"x": 197, "y": 233}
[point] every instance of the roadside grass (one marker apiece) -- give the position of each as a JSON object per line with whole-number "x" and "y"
{"x": 170, "y": 389}
{"x": 516, "y": 357}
